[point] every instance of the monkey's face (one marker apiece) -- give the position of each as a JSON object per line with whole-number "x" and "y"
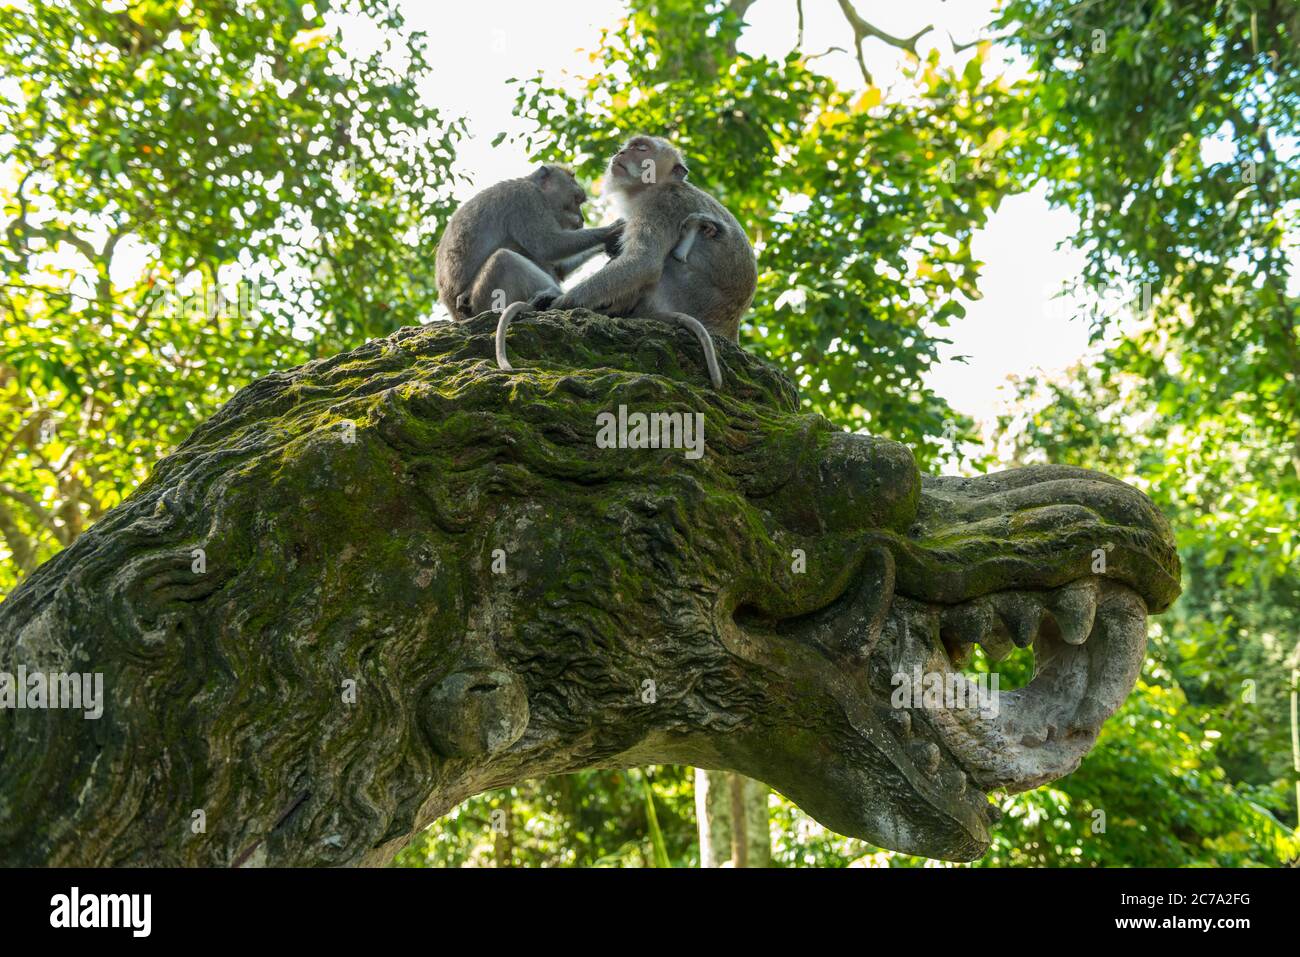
{"x": 645, "y": 161}
{"x": 565, "y": 197}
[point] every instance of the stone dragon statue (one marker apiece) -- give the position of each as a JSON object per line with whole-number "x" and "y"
{"x": 421, "y": 579}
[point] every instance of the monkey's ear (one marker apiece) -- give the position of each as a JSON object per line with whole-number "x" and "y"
{"x": 679, "y": 171}
{"x": 540, "y": 175}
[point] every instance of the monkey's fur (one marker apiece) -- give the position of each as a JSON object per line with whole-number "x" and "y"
{"x": 705, "y": 286}
{"x": 693, "y": 227}
{"x": 515, "y": 240}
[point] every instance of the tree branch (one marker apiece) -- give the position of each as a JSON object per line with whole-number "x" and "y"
{"x": 22, "y": 548}
{"x": 826, "y": 52}
{"x": 34, "y": 508}
{"x": 862, "y": 30}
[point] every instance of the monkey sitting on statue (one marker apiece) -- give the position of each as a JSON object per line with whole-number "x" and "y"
{"x": 516, "y": 240}
{"x": 660, "y": 271}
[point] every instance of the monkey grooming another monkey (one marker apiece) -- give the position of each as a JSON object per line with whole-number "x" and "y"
{"x": 694, "y": 226}
{"x": 706, "y": 293}
{"x": 515, "y": 240}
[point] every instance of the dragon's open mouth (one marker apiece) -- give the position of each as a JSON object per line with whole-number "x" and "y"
{"x": 1063, "y": 561}
{"x": 1088, "y": 640}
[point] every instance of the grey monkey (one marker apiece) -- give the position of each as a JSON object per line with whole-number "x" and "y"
{"x": 694, "y": 226}
{"x": 705, "y": 287}
{"x": 515, "y": 240}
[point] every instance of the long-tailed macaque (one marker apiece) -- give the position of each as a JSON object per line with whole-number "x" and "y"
{"x": 515, "y": 240}
{"x": 706, "y": 287}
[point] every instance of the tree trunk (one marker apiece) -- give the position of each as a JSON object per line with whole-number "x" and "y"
{"x": 721, "y": 798}
{"x": 503, "y": 848}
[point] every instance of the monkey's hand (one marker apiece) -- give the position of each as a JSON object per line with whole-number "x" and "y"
{"x": 614, "y": 239}
{"x": 574, "y": 299}
{"x": 543, "y": 300}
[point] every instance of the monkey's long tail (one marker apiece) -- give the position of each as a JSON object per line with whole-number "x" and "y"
{"x": 710, "y": 355}
{"x": 507, "y": 317}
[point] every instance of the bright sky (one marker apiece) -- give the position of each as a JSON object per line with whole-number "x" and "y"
{"x": 1013, "y": 329}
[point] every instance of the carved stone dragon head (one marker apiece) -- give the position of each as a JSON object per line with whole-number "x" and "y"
{"x": 423, "y": 578}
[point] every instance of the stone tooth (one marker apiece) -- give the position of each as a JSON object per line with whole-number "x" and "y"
{"x": 963, "y": 626}
{"x": 1075, "y": 608}
{"x": 1023, "y": 614}
{"x": 926, "y": 756}
{"x": 997, "y": 641}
